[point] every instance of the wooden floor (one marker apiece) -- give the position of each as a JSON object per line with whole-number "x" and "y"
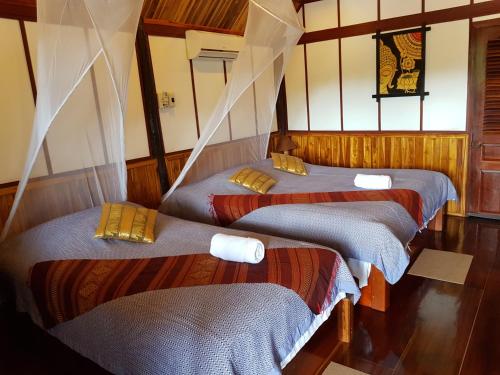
{"x": 432, "y": 327}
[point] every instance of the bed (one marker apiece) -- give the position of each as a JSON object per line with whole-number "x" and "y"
{"x": 243, "y": 327}
{"x": 364, "y": 232}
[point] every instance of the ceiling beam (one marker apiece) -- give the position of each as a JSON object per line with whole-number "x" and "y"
{"x": 414, "y": 20}
{"x": 178, "y": 30}
{"x": 18, "y": 9}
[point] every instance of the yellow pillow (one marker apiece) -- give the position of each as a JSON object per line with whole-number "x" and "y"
{"x": 127, "y": 222}
{"x": 289, "y": 164}
{"x": 253, "y": 180}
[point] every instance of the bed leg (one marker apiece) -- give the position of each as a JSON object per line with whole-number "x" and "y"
{"x": 345, "y": 320}
{"x": 436, "y": 224}
{"x": 376, "y": 294}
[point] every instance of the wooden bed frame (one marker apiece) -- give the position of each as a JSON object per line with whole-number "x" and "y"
{"x": 376, "y": 294}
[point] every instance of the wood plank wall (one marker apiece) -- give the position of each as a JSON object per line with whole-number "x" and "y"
{"x": 176, "y": 160}
{"x": 143, "y": 188}
{"x": 442, "y": 152}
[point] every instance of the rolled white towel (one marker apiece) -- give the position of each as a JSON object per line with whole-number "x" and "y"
{"x": 371, "y": 181}
{"x": 237, "y": 249}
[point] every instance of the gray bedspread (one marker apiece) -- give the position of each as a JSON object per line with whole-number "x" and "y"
{"x": 216, "y": 329}
{"x": 373, "y": 232}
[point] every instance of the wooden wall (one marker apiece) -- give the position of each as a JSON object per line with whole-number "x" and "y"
{"x": 176, "y": 160}
{"x": 443, "y": 152}
{"x": 143, "y": 188}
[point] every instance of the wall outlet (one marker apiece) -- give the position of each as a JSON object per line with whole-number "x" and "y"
{"x": 166, "y": 100}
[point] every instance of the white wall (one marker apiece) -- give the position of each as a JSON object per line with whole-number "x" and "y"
{"x": 358, "y": 74}
{"x": 324, "y": 85}
{"x": 17, "y": 109}
{"x": 136, "y": 141}
{"x": 172, "y": 73}
{"x": 446, "y": 73}
{"x": 16, "y": 104}
{"x": 209, "y": 82}
{"x": 446, "y": 76}
{"x": 295, "y": 82}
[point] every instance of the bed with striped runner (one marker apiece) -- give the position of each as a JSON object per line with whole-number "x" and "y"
{"x": 66, "y": 289}
{"x": 226, "y": 209}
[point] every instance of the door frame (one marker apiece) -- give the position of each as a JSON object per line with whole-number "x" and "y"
{"x": 475, "y": 92}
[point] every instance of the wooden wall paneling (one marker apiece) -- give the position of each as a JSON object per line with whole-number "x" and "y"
{"x": 143, "y": 183}
{"x": 143, "y": 188}
{"x": 442, "y": 152}
{"x": 176, "y": 160}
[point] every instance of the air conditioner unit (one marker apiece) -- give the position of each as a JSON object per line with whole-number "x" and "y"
{"x": 214, "y": 46}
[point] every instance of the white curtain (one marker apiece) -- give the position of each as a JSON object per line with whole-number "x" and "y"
{"x": 238, "y": 130}
{"x": 85, "y": 49}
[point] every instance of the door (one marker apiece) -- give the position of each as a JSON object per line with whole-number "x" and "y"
{"x": 484, "y": 120}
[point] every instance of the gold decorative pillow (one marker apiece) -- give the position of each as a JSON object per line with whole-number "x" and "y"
{"x": 289, "y": 164}
{"x": 253, "y": 180}
{"x": 127, "y": 222}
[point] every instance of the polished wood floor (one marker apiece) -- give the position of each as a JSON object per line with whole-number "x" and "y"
{"x": 432, "y": 327}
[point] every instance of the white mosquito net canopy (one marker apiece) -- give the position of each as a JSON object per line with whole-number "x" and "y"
{"x": 85, "y": 49}
{"x": 239, "y": 128}
{"x": 76, "y": 156}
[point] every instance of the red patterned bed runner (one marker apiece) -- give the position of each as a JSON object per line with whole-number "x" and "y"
{"x": 65, "y": 289}
{"x": 229, "y": 208}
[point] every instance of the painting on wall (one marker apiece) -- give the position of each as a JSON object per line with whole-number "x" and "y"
{"x": 401, "y": 63}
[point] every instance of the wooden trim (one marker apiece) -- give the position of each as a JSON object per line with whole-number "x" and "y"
{"x": 486, "y": 23}
{"x": 281, "y": 109}
{"x": 19, "y": 10}
{"x": 377, "y": 72}
{"x": 414, "y": 20}
{"x": 178, "y": 30}
{"x": 27, "y": 56}
{"x": 195, "y": 102}
{"x": 229, "y": 113}
{"x": 307, "y": 89}
{"x": 31, "y": 73}
{"x": 341, "y": 96}
{"x": 306, "y": 75}
{"x": 150, "y": 101}
{"x": 421, "y": 121}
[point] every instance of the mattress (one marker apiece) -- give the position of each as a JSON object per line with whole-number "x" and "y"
{"x": 376, "y": 232}
{"x": 217, "y": 329}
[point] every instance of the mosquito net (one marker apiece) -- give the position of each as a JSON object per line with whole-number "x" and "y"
{"x": 76, "y": 156}
{"x": 238, "y": 130}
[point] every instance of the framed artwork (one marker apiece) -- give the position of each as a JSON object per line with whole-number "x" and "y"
{"x": 401, "y": 63}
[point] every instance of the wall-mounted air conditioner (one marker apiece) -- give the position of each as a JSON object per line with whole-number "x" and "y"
{"x": 206, "y": 45}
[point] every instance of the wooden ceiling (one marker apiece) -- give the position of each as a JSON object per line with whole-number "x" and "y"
{"x": 220, "y": 14}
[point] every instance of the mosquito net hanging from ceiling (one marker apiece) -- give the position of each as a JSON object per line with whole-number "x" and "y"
{"x": 76, "y": 156}
{"x": 239, "y": 128}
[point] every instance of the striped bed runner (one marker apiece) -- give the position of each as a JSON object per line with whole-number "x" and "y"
{"x": 226, "y": 209}
{"x": 65, "y": 289}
